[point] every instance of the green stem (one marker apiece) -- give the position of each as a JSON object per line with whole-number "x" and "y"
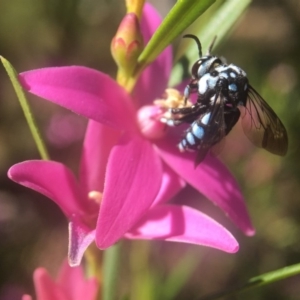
{"x": 94, "y": 259}
{"x": 141, "y": 274}
{"x": 13, "y": 76}
{"x": 110, "y": 271}
{"x": 258, "y": 281}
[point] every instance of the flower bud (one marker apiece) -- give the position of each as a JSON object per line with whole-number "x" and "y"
{"x": 127, "y": 44}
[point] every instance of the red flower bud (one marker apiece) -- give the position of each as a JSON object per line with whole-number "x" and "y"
{"x": 127, "y": 44}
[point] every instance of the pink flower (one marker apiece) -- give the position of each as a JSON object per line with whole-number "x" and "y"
{"x": 124, "y": 178}
{"x": 70, "y": 284}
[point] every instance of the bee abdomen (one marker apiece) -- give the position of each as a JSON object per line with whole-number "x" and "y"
{"x": 194, "y": 135}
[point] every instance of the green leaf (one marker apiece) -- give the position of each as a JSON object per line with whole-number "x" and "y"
{"x": 183, "y": 13}
{"x": 277, "y": 275}
{"x": 258, "y": 281}
{"x": 13, "y": 76}
{"x": 220, "y": 24}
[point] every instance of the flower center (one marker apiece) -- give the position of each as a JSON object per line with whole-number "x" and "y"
{"x": 172, "y": 98}
{"x": 152, "y": 119}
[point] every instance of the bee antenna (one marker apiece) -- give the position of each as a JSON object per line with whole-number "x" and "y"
{"x": 196, "y": 40}
{"x": 211, "y": 45}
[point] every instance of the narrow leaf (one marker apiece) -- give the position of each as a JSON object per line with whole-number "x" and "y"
{"x": 13, "y": 76}
{"x": 258, "y": 281}
{"x": 183, "y": 13}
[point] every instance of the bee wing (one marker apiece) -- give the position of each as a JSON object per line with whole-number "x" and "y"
{"x": 217, "y": 148}
{"x": 262, "y": 126}
{"x": 230, "y": 118}
{"x": 220, "y": 131}
{"x": 214, "y": 131}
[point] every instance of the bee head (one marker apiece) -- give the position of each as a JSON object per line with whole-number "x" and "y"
{"x": 205, "y": 63}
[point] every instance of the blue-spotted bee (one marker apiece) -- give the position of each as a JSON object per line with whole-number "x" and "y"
{"x": 223, "y": 95}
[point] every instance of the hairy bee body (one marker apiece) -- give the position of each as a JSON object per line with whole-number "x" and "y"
{"x": 223, "y": 95}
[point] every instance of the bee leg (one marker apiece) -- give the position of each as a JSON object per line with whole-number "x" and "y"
{"x": 188, "y": 116}
{"x": 187, "y": 110}
{"x": 192, "y": 87}
{"x": 186, "y": 93}
{"x": 171, "y": 122}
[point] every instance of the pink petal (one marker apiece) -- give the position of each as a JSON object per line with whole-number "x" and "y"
{"x": 212, "y": 179}
{"x": 74, "y": 283}
{"x": 99, "y": 140}
{"x": 45, "y": 287}
{"x": 171, "y": 184}
{"x": 80, "y": 237}
{"x": 183, "y": 224}
{"x": 71, "y": 285}
{"x": 155, "y": 77}
{"x": 53, "y": 180}
{"x": 85, "y": 91}
{"x": 26, "y": 297}
{"x": 132, "y": 181}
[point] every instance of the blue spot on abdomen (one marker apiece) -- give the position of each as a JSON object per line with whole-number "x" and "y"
{"x": 205, "y": 119}
{"x": 198, "y": 131}
{"x": 190, "y": 138}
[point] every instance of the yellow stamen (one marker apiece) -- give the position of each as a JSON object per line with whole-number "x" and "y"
{"x": 172, "y": 98}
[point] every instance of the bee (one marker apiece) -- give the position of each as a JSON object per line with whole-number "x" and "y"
{"x": 223, "y": 96}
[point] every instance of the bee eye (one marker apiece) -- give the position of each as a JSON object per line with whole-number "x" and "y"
{"x": 195, "y": 68}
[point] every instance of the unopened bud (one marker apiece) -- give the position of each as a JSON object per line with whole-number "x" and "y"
{"x": 127, "y": 44}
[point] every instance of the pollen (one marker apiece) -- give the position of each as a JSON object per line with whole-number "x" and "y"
{"x": 95, "y": 196}
{"x": 172, "y": 98}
